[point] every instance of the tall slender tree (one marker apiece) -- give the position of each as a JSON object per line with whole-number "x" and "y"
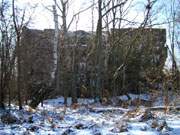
{"x": 56, "y": 49}
{"x": 99, "y": 50}
{"x": 20, "y": 20}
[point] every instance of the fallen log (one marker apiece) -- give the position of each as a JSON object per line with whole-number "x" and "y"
{"x": 163, "y": 108}
{"x": 110, "y": 109}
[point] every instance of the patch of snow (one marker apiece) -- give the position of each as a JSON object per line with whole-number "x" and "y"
{"x": 141, "y": 96}
{"x": 55, "y": 119}
{"x": 85, "y": 101}
{"x": 139, "y": 132}
{"x": 123, "y": 98}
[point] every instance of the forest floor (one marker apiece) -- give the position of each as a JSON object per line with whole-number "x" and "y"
{"x": 90, "y": 118}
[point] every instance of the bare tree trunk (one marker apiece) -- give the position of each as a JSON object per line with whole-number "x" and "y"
{"x": 99, "y": 51}
{"x": 74, "y": 73}
{"x": 2, "y": 56}
{"x": 56, "y": 50}
{"x": 64, "y": 4}
{"x": 18, "y": 35}
{"x": 74, "y": 70}
{"x": 2, "y": 79}
{"x": 172, "y": 30}
{"x": 64, "y": 34}
{"x": 174, "y": 66}
{"x": 92, "y": 14}
{"x": 113, "y": 43}
{"x": 19, "y": 72}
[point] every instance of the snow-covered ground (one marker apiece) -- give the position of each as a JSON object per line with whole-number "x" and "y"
{"x": 89, "y": 118}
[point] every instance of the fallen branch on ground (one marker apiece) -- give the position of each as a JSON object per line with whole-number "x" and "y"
{"x": 111, "y": 109}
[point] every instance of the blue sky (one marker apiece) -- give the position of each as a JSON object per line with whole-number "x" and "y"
{"x": 44, "y": 19}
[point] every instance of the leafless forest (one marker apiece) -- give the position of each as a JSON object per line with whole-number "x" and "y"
{"x": 107, "y": 59}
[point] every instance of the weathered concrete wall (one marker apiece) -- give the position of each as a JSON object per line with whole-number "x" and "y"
{"x": 141, "y": 51}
